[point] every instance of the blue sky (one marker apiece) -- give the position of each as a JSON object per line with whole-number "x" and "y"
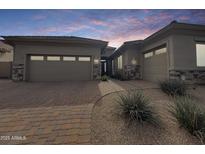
{"x": 115, "y": 26}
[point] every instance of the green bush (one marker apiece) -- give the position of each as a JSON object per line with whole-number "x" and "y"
{"x": 136, "y": 108}
{"x": 173, "y": 87}
{"x": 189, "y": 116}
{"x": 104, "y": 78}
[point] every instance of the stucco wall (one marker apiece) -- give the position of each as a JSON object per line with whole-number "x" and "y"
{"x": 184, "y": 58}
{"x": 129, "y": 71}
{"x": 6, "y": 57}
{"x": 130, "y": 54}
{"x": 23, "y": 49}
{"x": 184, "y": 51}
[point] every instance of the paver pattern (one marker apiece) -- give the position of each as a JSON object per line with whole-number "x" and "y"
{"x": 47, "y": 125}
{"x": 45, "y": 94}
{"x": 52, "y": 113}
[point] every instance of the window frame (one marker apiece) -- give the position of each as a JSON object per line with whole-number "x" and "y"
{"x": 119, "y": 62}
{"x": 197, "y": 55}
{"x": 74, "y": 58}
{"x": 147, "y": 53}
{"x": 160, "y": 49}
{"x": 83, "y": 59}
{"x": 47, "y": 58}
{"x": 31, "y": 59}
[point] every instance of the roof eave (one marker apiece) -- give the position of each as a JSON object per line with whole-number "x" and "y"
{"x": 13, "y": 40}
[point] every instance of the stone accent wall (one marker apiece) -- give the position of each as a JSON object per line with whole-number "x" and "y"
{"x": 132, "y": 72}
{"x": 96, "y": 71}
{"x": 18, "y": 72}
{"x": 190, "y": 76}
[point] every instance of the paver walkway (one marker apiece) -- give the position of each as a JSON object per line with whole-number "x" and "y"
{"x": 46, "y": 125}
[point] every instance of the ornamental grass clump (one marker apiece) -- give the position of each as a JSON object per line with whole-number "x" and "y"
{"x": 173, "y": 87}
{"x": 136, "y": 108}
{"x": 189, "y": 116}
{"x": 104, "y": 78}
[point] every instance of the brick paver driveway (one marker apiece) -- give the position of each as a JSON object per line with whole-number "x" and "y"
{"x": 51, "y": 113}
{"x": 46, "y": 125}
{"x": 46, "y": 113}
{"x": 27, "y": 94}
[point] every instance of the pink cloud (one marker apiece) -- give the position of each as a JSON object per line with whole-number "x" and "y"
{"x": 99, "y": 22}
{"x": 184, "y": 18}
{"x": 118, "y": 39}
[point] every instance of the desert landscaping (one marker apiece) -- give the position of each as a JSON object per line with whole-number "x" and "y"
{"x": 108, "y": 126}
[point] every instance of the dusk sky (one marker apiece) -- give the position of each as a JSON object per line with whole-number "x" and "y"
{"x": 115, "y": 26}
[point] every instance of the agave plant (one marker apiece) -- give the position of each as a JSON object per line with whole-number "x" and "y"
{"x": 136, "y": 108}
{"x": 104, "y": 78}
{"x": 189, "y": 116}
{"x": 173, "y": 87}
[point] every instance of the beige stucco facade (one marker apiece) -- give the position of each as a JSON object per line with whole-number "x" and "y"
{"x": 24, "y": 49}
{"x": 179, "y": 61}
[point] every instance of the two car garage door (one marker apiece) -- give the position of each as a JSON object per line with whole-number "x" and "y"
{"x": 58, "y": 68}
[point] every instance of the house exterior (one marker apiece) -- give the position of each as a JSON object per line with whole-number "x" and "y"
{"x": 53, "y": 58}
{"x": 175, "y": 52}
{"x": 6, "y": 58}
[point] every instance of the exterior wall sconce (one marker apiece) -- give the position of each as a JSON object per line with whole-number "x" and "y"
{"x": 134, "y": 61}
{"x": 96, "y": 61}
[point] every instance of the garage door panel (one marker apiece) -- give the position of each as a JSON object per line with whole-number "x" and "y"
{"x": 59, "y": 70}
{"x": 155, "y": 68}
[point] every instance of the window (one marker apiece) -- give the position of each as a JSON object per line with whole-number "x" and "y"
{"x": 84, "y": 58}
{"x": 113, "y": 67}
{"x": 37, "y": 58}
{"x": 119, "y": 62}
{"x": 105, "y": 67}
{"x": 53, "y": 58}
{"x": 200, "y": 55}
{"x": 67, "y": 58}
{"x": 160, "y": 51}
{"x": 149, "y": 54}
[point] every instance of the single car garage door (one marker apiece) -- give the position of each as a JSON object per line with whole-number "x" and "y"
{"x": 59, "y": 68}
{"x": 155, "y": 65}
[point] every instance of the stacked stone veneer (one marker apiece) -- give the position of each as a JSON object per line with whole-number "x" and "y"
{"x": 132, "y": 72}
{"x": 191, "y": 76}
{"x": 17, "y": 72}
{"x": 96, "y": 71}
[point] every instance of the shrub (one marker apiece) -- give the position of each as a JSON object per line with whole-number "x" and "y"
{"x": 104, "y": 78}
{"x": 136, "y": 108}
{"x": 189, "y": 116}
{"x": 173, "y": 87}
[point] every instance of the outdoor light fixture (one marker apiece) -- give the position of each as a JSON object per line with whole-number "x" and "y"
{"x": 134, "y": 61}
{"x": 96, "y": 61}
{"x": 183, "y": 77}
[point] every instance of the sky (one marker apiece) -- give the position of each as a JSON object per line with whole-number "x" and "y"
{"x": 115, "y": 26}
